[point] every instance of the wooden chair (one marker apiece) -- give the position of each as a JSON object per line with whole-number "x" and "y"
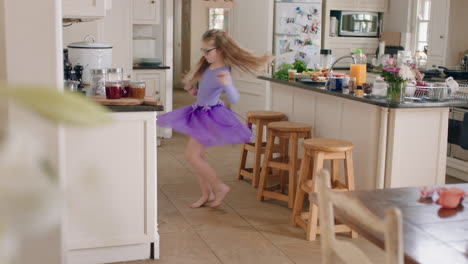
{"x": 390, "y": 226}
{"x": 260, "y": 119}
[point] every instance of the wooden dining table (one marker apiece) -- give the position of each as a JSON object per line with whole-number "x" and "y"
{"x": 431, "y": 234}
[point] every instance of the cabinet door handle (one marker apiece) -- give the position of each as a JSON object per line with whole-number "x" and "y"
{"x": 152, "y": 2}
{"x": 441, "y": 36}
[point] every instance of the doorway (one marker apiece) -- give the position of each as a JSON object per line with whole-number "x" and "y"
{"x": 205, "y": 14}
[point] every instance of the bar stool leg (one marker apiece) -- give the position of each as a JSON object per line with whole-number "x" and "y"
{"x": 267, "y": 158}
{"x": 349, "y": 169}
{"x": 292, "y": 169}
{"x": 300, "y": 194}
{"x": 258, "y": 153}
{"x": 312, "y": 224}
{"x": 349, "y": 178}
{"x": 243, "y": 160}
{"x": 283, "y": 142}
{"x": 335, "y": 172}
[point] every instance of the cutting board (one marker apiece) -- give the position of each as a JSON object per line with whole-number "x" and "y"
{"x": 122, "y": 101}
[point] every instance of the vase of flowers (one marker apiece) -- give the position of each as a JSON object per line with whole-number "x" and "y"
{"x": 397, "y": 77}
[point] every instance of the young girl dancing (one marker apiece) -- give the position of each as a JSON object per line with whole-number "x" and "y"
{"x": 208, "y": 122}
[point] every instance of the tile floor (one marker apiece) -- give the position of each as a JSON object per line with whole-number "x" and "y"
{"x": 241, "y": 230}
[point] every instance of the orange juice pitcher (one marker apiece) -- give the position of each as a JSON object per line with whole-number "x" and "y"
{"x": 359, "y": 69}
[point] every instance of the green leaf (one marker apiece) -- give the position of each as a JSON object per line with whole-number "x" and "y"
{"x": 300, "y": 66}
{"x": 69, "y": 108}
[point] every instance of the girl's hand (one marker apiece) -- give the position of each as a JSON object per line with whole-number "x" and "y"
{"x": 191, "y": 90}
{"x": 223, "y": 78}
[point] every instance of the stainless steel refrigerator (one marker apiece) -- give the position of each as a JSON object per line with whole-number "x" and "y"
{"x": 297, "y": 32}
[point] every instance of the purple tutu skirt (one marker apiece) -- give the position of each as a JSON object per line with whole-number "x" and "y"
{"x": 210, "y": 125}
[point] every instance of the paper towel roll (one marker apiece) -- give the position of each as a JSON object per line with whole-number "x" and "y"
{"x": 332, "y": 26}
{"x": 381, "y": 48}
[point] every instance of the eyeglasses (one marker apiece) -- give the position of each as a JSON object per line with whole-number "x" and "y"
{"x": 204, "y": 51}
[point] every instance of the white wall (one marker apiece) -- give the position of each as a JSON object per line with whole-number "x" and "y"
{"x": 458, "y": 32}
{"x": 398, "y": 18}
{"x": 199, "y": 22}
{"x": 41, "y": 21}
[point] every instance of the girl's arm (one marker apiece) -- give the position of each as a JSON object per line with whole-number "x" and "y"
{"x": 224, "y": 78}
{"x": 191, "y": 89}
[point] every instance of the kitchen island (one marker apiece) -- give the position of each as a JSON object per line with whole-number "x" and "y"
{"x": 396, "y": 145}
{"x": 111, "y": 177}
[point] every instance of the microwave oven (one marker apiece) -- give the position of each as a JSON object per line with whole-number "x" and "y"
{"x": 358, "y": 24}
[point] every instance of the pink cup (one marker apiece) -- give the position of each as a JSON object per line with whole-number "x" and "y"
{"x": 426, "y": 192}
{"x": 450, "y": 197}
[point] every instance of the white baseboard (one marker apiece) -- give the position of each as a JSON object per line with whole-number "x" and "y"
{"x": 457, "y": 168}
{"x": 112, "y": 254}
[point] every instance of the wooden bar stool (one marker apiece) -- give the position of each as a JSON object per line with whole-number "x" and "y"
{"x": 289, "y": 133}
{"x": 260, "y": 119}
{"x": 317, "y": 150}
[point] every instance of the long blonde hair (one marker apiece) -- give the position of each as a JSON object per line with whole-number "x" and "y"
{"x": 233, "y": 54}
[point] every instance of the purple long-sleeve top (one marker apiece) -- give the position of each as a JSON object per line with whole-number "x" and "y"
{"x": 210, "y": 89}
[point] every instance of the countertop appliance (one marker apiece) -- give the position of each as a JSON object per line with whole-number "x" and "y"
{"x": 297, "y": 32}
{"x": 90, "y": 55}
{"x": 456, "y": 74}
{"x": 362, "y": 24}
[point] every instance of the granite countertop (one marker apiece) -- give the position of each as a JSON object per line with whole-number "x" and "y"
{"x": 160, "y": 67}
{"x": 135, "y": 108}
{"x": 367, "y": 99}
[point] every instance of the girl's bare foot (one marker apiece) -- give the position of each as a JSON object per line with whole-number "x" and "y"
{"x": 203, "y": 200}
{"x": 211, "y": 197}
{"x": 220, "y": 194}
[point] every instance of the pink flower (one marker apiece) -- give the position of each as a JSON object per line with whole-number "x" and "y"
{"x": 392, "y": 69}
{"x": 390, "y": 61}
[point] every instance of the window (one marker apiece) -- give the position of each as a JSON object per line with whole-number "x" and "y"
{"x": 219, "y": 19}
{"x": 423, "y": 13}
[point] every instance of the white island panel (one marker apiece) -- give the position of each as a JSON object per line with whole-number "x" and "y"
{"x": 111, "y": 202}
{"x": 394, "y": 147}
{"x": 334, "y": 117}
{"x": 417, "y": 147}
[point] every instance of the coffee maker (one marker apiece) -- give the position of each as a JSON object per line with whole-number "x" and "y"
{"x": 72, "y": 74}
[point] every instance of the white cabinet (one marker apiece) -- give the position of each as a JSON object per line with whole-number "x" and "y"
{"x": 341, "y": 46}
{"x": 438, "y": 33}
{"x": 155, "y": 83}
{"x": 343, "y": 4}
{"x": 111, "y": 182}
{"x": 146, "y": 11}
{"x": 358, "y": 5}
{"x": 376, "y": 5}
{"x": 85, "y": 8}
{"x": 253, "y": 28}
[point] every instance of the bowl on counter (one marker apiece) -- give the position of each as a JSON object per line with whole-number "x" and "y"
{"x": 149, "y": 62}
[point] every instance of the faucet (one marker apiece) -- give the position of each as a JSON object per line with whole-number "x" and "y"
{"x": 337, "y": 60}
{"x": 327, "y": 84}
